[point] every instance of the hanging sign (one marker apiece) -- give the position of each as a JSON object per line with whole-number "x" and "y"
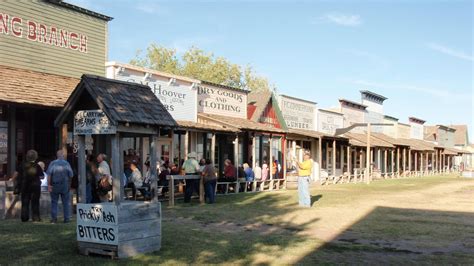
{"x": 97, "y": 223}
{"x": 87, "y": 122}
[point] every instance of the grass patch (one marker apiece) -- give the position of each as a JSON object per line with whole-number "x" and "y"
{"x": 269, "y": 228}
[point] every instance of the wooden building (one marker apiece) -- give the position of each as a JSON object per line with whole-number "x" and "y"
{"x": 45, "y": 46}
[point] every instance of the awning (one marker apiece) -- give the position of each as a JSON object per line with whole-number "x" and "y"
{"x": 241, "y": 123}
{"x": 358, "y": 139}
{"x": 305, "y": 133}
{"x": 35, "y": 88}
{"x": 185, "y": 125}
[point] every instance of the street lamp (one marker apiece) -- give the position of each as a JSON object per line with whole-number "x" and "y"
{"x": 340, "y": 131}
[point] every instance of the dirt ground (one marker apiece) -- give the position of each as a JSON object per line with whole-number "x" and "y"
{"x": 410, "y": 222}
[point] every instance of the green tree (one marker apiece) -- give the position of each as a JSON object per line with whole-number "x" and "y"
{"x": 199, "y": 64}
{"x": 158, "y": 58}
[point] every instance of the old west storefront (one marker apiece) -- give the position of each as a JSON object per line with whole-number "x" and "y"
{"x": 45, "y": 46}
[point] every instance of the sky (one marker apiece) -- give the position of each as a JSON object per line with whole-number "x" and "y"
{"x": 417, "y": 53}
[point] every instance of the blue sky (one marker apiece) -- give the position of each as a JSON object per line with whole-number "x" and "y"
{"x": 419, "y": 54}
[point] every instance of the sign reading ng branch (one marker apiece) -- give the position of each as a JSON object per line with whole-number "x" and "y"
{"x": 87, "y": 122}
{"x": 97, "y": 223}
{"x": 41, "y": 33}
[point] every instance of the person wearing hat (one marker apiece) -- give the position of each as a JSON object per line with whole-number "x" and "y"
{"x": 304, "y": 177}
{"x": 191, "y": 167}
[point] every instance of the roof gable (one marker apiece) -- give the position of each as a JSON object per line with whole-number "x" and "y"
{"x": 122, "y": 102}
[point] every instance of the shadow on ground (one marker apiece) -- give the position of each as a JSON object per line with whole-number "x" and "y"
{"x": 402, "y": 235}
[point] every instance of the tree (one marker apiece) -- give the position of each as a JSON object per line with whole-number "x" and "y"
{"x": 158, "y": 58}
{"x": 198, "y": 64}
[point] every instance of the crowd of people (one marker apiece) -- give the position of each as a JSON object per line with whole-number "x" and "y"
{"x": 33, "y": 178}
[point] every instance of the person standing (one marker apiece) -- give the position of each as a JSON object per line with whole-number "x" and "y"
{"x": 105, "y": 178}
{"x": 59, "y": 174}
{"x": 30, "y": 180}
{"x": 190, "y": 167}
{"x": 44, "y": 180}
{"x": 304, "y": 175}
{"x": 209, "y": 175}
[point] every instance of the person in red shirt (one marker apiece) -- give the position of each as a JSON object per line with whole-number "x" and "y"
{"x": 230, "y": 172}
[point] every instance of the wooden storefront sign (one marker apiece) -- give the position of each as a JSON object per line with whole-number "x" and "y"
{"x": 88, "y": 122}
{"x": 97, "y": 223}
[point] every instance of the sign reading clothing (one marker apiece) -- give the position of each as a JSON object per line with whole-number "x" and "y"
{"x": 179, "y": 100}
{"x": 297, "y": 114}
{"x": 221, "y": 101}
{"x": 97, "y": 223}
{"x": 92, "y": 122}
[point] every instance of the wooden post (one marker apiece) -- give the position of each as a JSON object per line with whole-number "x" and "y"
{"x": 398, "y": 161}
{"x": 12, "y": 152}
{"x": 201, "y": 190}
{"x": 81, "y": 165}
{"x": 270, "y": 159}
{"x": 186, "y": 145}
{"x": 327, "y": 157}
{"x": 171, "y": 185}
{"x": 427, "y": 162}
{"x": 416, "y": 163}
{"x": 392, "y": 162}
{"x": 349, "y": 162}
{"x": 236, "y": 162}
{"x": 117, "y": 183}
{"x": 213, "y": 149}
{"x": 254, "y": 151}
{"x": 422, "y": 169}
{"x": 153, "y": 160}
{"x": 379, "y": 160}
{"x": 409, "y": 161}
{"x": 334, "y": 158}
{"x": 385, "y": 162}
{"x": 404, "y": 160}
{"x": 320, "y": 155}
{"x": 64, "y": 138}
{"x": 367, "y": 167}
{"x": 341, "y": 160}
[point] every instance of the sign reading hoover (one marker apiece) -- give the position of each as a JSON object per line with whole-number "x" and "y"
{"x": 222, "y": 101}
{"x": 179, "y": 99}
{"x": 97, "y": 223}
{"x": 92, "y": 122}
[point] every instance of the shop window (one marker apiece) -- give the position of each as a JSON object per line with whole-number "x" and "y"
{"x": 3, "y": 143}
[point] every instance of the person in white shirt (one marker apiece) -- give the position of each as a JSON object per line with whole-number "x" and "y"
{"x": 44, "y": 181}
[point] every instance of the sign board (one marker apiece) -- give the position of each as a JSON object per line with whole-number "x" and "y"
{"x": 87, "y": 122}
{"x": 39, "y": 35}
{"x": 3, "y": 142}
{"x": 179, "y": 99}
{"x": 222, "y": 101}
{"x": 298, "y": 114}
{"x": 329, "y": 121}
{"x": 97, "y": 223}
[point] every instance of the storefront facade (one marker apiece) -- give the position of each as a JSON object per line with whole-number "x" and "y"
{"x": 45, "y": 46}
{"x": 299, "y": 117}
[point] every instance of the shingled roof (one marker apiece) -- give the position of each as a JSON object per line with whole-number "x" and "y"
{"x": 22, "y": 86}
{"x": 260, "y": 99}
{"x": 358, "y": 139}
{"x": 122, "y": 102}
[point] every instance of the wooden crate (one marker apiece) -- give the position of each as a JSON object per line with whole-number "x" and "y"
{"x": 138, "y": 231}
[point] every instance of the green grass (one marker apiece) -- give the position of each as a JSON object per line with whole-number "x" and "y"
{"x": 269, "y": 228}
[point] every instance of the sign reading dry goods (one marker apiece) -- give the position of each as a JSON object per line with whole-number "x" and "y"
{"x": 97, "y": 223}
{"x": 298, "y": 114}
{"x": 221, "y": 101}
{"x": 89, "y": 122}
{"x": 178, "y": 99}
